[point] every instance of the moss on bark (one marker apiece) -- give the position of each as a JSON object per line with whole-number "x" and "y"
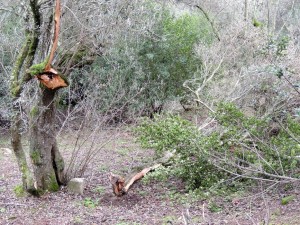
{"x": 15, "y": 79}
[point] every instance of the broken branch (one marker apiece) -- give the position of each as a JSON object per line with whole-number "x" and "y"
{"x": 55, "y": 36}
{"x": 121, "y": 187}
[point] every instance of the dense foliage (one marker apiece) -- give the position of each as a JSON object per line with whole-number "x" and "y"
{"x": 140, "y": 73}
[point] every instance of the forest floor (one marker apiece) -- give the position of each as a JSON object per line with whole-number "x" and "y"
{"x": 157, "y": 202}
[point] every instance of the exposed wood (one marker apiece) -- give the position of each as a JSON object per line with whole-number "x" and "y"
{"x": 121, "y": 187}
{"x": 50, "y": 77}
{"x": 139, "y": 176}
{"x": 55, "y": 37}
{"x": 118, "y": 184}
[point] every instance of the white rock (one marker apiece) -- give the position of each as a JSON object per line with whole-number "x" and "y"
{"x": 6, "y": 151}
{"x": 76, "y": 185}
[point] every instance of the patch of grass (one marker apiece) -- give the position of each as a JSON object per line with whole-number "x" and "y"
{"x": 286, "y": 200}
{"x": 99, "y": 189}
{"x": 142, "y": 193}
{"x": 168, "y": 220}
{"x": 90, "y": 203}
{"x": 19, "y": 191}
{"x": 213, "y": 207}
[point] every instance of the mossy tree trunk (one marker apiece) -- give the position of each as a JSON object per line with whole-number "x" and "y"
{"x": 18, "y": 79}
{"x": 48, "y": 164}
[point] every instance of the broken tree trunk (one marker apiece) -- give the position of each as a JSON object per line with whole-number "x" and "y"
{"x": 48, "y": 164}
{"x": 121, "y": 185}
{"x": 44, "y": 71}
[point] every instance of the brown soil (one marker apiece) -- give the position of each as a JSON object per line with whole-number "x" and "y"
{"x": 154, "y": 203}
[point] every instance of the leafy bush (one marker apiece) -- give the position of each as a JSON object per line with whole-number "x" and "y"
{"x": 141, "y": 72}
{"x": 167, "y": 134}
{"x": 171, "y": 60}
{"x": 257, "y": 145}
{"x": 241, "y": 146}
{"x": 173, "y": 133}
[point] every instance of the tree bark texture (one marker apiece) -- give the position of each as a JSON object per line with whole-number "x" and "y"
{"x": 18, "y": 80}
{"x": 48, "y": 164}
{"x": 16, "y": 142}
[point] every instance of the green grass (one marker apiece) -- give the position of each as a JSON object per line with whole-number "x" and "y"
{"x": 123, "y": 151}
{"x": 90, "y": 203}
{"x": 99, "y": 189}
{"x": 19, "y": 191}
{"x": 286, "y": 200}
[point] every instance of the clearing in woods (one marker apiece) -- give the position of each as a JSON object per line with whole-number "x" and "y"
{"x": 155, "y": 202}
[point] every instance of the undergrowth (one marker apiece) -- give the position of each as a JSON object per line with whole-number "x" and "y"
{"x": 240, "y": 147}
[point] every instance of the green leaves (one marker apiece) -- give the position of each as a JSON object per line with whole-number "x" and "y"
{"x": 287, "y": 199}
{"x": 173, "y": 133}
{"x": 239, "y": 144}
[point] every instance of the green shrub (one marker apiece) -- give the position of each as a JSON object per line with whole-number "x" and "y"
{"x": 242, "y": 146}
{"x": 166, "y": 133}
{"x": 170, "y": 60}
{"x": 251, "y": 142}
{"x": 143, "y": 71}
{"x": 173, "y": 133}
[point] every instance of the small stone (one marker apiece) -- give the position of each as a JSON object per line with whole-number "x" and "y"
{"x": 76, "y": 185}
{"x": 6, "y": 151}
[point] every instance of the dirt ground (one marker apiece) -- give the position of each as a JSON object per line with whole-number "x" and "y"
{"x": 148, "y": 204}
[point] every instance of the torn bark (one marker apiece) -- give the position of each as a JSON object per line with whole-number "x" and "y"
{"x": 56, "y": 33}
{"x": 49, "y": 77}
{"x": 121, "y": 187}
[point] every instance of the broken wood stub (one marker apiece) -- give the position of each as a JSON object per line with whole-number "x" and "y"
{"x": 51, "y": 79}
{"x": 118, "y": 184}
{"x": 121, "y": 186}
{"x": 47, "y": 75}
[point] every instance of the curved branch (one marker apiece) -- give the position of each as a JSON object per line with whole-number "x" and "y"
{"x": 210, "y": 21}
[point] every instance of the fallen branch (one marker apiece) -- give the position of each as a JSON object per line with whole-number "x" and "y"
{"x": 121, "y": 186}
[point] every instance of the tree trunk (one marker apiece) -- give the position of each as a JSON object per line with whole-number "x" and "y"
{"x": 16, "y": 142}
{"x": 48, "y": 164}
